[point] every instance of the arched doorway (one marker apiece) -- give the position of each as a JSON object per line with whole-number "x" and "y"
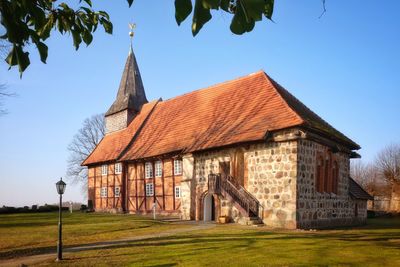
{"x": 209, "y": 208}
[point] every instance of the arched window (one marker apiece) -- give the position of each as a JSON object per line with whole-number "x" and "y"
{"x": 319, "y": 185}
{"x": 327, "y": 180}
{"x": 335, "y": 177}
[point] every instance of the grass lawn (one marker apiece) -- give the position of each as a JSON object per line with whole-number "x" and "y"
{"x": 377, "y": 243}
{"x": 27, "y": 234}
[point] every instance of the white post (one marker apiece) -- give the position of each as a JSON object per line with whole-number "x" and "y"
{"x": 154, "y": 210}
{"x": 70, "y": 206}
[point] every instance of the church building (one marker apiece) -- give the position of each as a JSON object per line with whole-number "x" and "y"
{"x": 246, "y": 150}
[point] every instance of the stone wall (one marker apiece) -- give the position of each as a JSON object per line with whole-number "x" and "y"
{"x": 272, "y": 171}
{"x": 204, "y": 164}
{"x": 118, "y": 121}
{"x": 319, "y": 210}
{"x": 270, "y": 175}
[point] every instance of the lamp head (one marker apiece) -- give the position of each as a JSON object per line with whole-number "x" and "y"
{"x": 60, "y": 185}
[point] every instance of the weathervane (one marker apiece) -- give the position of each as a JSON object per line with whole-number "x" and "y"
{"x": 132, "y": 26}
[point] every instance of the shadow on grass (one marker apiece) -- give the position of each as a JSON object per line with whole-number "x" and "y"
{"x": 224, "y": 238}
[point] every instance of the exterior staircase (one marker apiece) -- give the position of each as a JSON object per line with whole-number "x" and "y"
{"x": 246, "y": 203}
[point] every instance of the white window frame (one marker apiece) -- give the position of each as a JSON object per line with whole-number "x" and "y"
{"x": 149, "y": 190}
{"x": 178, "y": 165}
{"x": 104, "y": 169}
{"x": 117, "y": 191}
{"x": 148, "y": 170}
{"x": 118, "y": 168}
{"x": 178, "y": 192}
{"x": 103, "y": 192}
{"x": 158, "y": 166}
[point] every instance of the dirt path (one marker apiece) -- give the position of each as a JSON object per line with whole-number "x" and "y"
{"x": 31, "y": 260}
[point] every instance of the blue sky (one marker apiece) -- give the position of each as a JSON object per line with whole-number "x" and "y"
{"x": 344, "y": 66}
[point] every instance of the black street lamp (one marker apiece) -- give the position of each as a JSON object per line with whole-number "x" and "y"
{"x": 60, "y": 185}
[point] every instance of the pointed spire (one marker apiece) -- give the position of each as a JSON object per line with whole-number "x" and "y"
{"x": 131, "y": 94}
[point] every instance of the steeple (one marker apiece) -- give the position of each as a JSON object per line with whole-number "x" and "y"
{"x": 130, "y": 97}
{"x": 131, "y": 94}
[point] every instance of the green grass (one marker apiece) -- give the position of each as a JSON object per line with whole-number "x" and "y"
{"x": 28, "y": 234}
{"x": 377, "y": 243}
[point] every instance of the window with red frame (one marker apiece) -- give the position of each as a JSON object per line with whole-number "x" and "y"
{"x": 327, "y": 174}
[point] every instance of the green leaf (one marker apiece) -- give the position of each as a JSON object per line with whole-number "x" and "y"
{"x": 183, "y": 8}
{"x": 89, "y": 2}
{"x": 44, "y": 32}
{"x": 108, "y": 27}
{"x": 225, "y": 5}
{"x": 43, "y": 51}
{"x": 268, "y": 9}
{"x": 130, "y": 2}
{"x": 253, "y": 9}
{"x": 87, "y": 37}
{"x": 240, "y": 22}
{"x": 76, "y": 38}
{"x": 104, "y": 14}
{"x": 60, "y": 26}
{"x": 201, "y": 16}
{"x": 12, "y": 57}
{"x": 22, "y": 58}
{"x": 211, "y": 4}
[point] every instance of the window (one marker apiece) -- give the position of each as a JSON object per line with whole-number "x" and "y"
{"x": 177, "y": 191}
{"x": 118, "y": 168}
{"x": 148, "y": 170}
{"x": 335, "y": 177}
{"x": 178, "y": 167}
{"x": 319, "y": 185}
{"x": 117, "y": 191}
{"x": 158, "y": 168}
{"x": 149, "y": 190}
{"x": 327, "y": 174}
{"x": 104, "y": 169}
{"x": 103, "y": 192}
{"x": 327, "y": 183}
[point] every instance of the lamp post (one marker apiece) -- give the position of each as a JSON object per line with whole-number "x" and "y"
{"x": 60, "y": 185}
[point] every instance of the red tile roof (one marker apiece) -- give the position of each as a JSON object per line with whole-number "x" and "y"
{"x": 237, "y": 111}
{"x": 113, "y": 144}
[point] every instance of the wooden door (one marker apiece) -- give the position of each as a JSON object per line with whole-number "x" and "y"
{"x": 238, "y": 167}
{"x": 225, "y": 168}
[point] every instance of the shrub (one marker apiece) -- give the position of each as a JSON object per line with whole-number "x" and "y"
{"x": 7, "y": 210}
{"x": 370, "y": 214}
{"x": 83, "y": 207}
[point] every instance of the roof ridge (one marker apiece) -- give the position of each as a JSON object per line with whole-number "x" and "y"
{"x": 309, "y": 121}
{"x": 215, "y": 85}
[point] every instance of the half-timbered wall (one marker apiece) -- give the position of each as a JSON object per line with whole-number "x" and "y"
{"x": 163, "y": 187}
{"x": 96, "y": 181}
{"x": 137, "y": 201}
